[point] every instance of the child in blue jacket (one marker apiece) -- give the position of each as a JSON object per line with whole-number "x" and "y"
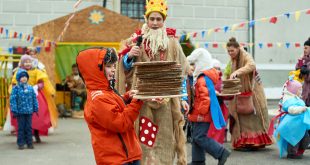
{"x": 23, "y": 103}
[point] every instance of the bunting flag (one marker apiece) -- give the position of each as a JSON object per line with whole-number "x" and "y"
{"x": 206, "y": 45}
{"x": 297, "y": 45}
{"x": 251, "y": 23}
{"x": 210, "y": 31}
{"x": 234, "y": 27}
{"x": 297, "y": 15}
{"x": 287, "y": 45}
{"x": 195, "y": 35}
{"x": 273, "y": 20}
{"x": 260, "y": 45}
{"x": 279, "y": 44}
{"x": 264, "y": 19}
{"x": 187, "y": 36}
{"x": 203, "y": 34}
{"x": 226, "y": 29}
{"x": 269, "y": 45}
{"x": 10, "y": 50}
{"x": 182, "y": 38}
{"x": 251, "y": 44}
{"x": 214, "y": 45}
{"x": 38, "y": 48}
{"x": 1, "y": 30}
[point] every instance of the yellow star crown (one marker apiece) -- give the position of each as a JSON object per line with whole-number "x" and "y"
{"x": 157, "y": 6}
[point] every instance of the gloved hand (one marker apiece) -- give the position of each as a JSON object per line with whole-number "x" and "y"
{"x": 304, "y": 70}
{"x": 35, "y": 88}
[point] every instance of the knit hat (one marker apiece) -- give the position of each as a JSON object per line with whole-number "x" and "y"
{"x": 24, "y": 58}
{"x": 293, "y": 86}
{"x": 307, "y": 43}
{"x": 21, "y": 73}
{"x": 202, "y": 60}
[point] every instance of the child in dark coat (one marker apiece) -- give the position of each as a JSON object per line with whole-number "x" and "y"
{"x": 23, "y": 103}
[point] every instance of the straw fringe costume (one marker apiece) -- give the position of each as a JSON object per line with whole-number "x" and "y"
{"x": 170, "y": 139}
{"x": 249, "y": 131}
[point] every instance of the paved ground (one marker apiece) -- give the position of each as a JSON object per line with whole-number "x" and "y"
{"x": 70, "y": 145}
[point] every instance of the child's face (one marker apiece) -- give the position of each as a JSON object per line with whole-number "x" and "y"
{"x": 299, "y": 92}
{"x": 23, "y": 79}
{"x": 28, "y": 64}
{"x": 109, "y": 71}
{"x": 191, "y": 69}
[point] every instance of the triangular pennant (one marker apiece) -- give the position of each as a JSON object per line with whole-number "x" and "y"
{"x": 1, "y": 30}
{"x": 187, "y": 36}
{"x": 10, "y": 50}
{"x": 273, "y": 20}
{"x": 197, "y": 45}
{"x": 203, "y": 34}
{"x": 287, "y": 45}
{"x": 260, "y": 45}
{"x": 31, "y": 39}
{"x": 234, "y": 27}
{"x": 264, "y": 19}
{"x": 206, "y": 45}
{"x": 28, "y": 37}
{"x": 226, "y": 29}
{"x": 224, "y": 46}
{"x": 308, "y": 12}
{"x": 217, "y": 29}
{"x": 279, "y": 44}
{"x": 297, "y": 15}
{"x": 182, "y": 38}
{"x": 210, "y": 31}
{"x": 20, "y": 36}
{"x": 269, "y": 45}
{"x": 297, "y": 45}
{"x": 215, "y": 45}
{"x": 0, "y": 49}
{"x": 251, "y": 44}
{"x": 48, "y": 49}
{"x": 195, "y": 35}
{"x": 7, "y": 33}
{"x": 241, "y": 25}
{"x": 251, "y": 23}
{"x": 287, "y": 15}
{"x": 38, "y": 48}
{"x": 15, "y": 35}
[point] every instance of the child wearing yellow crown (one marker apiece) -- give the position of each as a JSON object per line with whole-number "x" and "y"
{"x": 158, "y": 43}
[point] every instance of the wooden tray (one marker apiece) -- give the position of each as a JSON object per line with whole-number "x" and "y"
{"x": 154, "y": 63}
{"x": 154, "y": 97}
{"x": 222, "y": 94}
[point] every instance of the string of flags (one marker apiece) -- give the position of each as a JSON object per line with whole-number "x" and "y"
{"x": 6, "y": 33}
{"x": 260, "y": 45}
{"x": 249, "y": 24}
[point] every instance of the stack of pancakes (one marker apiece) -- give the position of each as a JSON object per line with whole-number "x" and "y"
{"x": 231, "y": 86}
{"x": 158, "y": 78}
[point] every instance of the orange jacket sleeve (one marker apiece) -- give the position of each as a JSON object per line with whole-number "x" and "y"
{"x": 109, "y": 115}
{"x": 204, "y": 99}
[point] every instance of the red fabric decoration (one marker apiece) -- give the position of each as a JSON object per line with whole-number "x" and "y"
{"x": 308, "y": 12}
{"x": 297, "y": 45}
{"x": 1, "y": 30}
{"x": 269, "y": 45}
{"x": 273, "y": 20}
{"x": 48, "y": 48}
{"x": 217, "y": 29}
{"x": 242, "y": 25}
{"x": 148, "y": 131}
{"x": 195, "y": 35}
{"x": 28, "y": 38}
{"x": 15, "y": 34}
{"x": 214, "y": 45}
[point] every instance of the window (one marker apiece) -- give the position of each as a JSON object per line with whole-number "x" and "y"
{"x": 134, "y": 9}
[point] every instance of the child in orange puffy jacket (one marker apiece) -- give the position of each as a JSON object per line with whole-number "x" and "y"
{"x": 206, "y": 110}
{"x": 109, "y": 119}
